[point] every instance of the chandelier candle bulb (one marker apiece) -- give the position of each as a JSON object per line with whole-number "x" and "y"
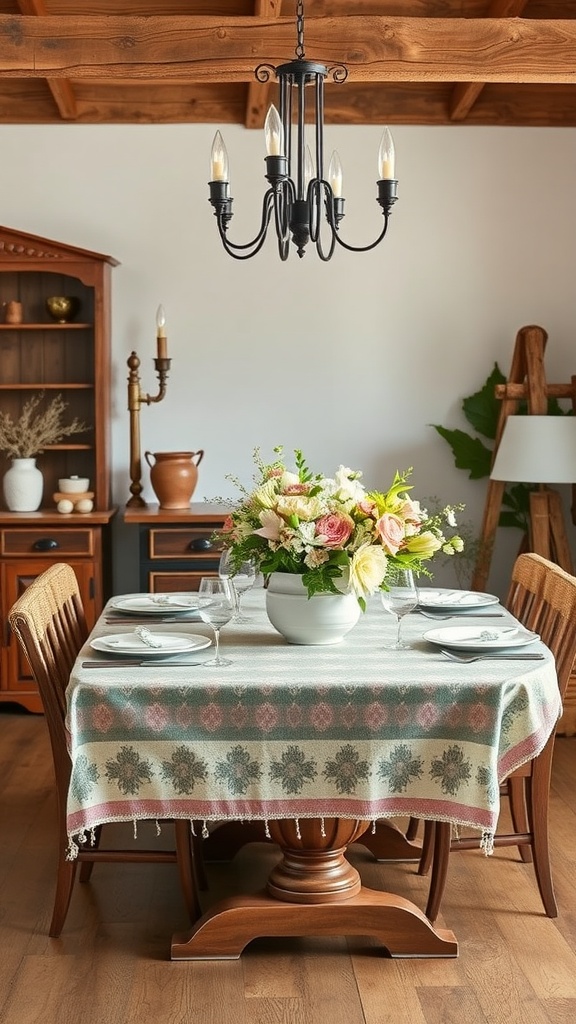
{"x": 219, "y": 160}
{"x": 335, "y": 175}
{"x": 386, "y": 157}
{"x": 273, "y": 132}
{"x": 161, "y": 339}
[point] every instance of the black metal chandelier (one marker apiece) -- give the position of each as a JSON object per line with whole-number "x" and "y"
{"x": 304, "y": 201}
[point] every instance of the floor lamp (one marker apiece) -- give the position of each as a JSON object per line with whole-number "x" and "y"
{"x": 541, "y": 450}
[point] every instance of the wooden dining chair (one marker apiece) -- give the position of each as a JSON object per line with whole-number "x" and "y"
{"x": 542, "y": 596}
{"x": 49, "y": 622}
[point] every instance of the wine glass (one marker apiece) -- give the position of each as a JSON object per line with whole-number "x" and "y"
{"x": 399, "y": 599}
{"x": 241, "y": 577}
{"x": 216, "y": 607}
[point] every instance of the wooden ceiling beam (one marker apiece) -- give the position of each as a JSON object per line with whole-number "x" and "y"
{"x": 465, "y": 94}
{"x": 259, "y": 92}
{"x": 207, "y": 49}
{"x": 61, "y": 88}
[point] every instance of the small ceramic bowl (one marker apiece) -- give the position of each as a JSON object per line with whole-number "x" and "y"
{"x": 73, "y": 484}
{"x": 62, "y": 308}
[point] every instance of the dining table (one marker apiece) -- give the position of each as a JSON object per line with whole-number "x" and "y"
{"x": 311, "y": 747}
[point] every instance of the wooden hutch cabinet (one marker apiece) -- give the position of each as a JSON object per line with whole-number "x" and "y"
{"x": 39, "y": 355}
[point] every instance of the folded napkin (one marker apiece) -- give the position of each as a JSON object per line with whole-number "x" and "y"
{"x": 153, "y": 641}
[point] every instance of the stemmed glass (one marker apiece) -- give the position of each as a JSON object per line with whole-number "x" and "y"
{"x": 241, "y": 579}
{"x": 399, "y": 599}
{"x": 216, "y": 607}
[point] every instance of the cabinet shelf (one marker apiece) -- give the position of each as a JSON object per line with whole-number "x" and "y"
{"x": 64, "y": 386}
{"x": 46, "y": 327}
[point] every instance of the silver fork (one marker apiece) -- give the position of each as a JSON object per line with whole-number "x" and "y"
{"x": 467, "y": 659}
{"x": 459, "y": 615}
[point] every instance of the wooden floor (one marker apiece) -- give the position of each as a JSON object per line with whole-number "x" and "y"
{"x": 111, "y": 965}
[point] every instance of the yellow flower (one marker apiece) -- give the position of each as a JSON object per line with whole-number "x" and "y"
{"x": 299, "y": 505}
{"x": 367, "y": 569}
{"x": 424, "y": 544}
{"x": 264, "y": 496}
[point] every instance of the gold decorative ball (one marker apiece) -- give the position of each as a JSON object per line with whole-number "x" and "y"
{"x": 62, "y": 308}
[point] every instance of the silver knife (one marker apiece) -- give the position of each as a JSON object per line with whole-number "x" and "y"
{"x": 127, "y": 663}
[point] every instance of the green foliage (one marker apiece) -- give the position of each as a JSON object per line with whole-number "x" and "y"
{"x": 469, "y": 452}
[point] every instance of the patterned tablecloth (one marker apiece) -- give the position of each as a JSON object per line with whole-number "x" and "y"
{"x": 351, "y": 730}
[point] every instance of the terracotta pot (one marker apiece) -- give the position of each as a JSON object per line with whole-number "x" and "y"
{"x": 174, "y": 476}
{"x": 12, "y": 312}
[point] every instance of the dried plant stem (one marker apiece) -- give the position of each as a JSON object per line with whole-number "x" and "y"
{"x": 32, "y": 432}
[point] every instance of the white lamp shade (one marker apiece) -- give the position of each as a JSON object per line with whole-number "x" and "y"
{"x": 537, "y": 450}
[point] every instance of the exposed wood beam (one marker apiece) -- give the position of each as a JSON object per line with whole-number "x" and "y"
{"x": 259, "y": 92}
{"x": 207, "y": 49}
{"x": 465, "y": 94}
{"x": 61, "y": 89}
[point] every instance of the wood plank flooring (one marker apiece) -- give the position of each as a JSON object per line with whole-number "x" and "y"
{"x": 111, "y": 964}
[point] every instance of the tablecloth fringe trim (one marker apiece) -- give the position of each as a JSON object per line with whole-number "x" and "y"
{"x": 85, "y": 835}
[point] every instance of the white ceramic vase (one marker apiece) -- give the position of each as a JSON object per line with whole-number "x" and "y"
{"x": 321, "y": 619}
{"x": 23, "y": 484}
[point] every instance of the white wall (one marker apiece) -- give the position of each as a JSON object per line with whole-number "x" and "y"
{"x": 351, "y": 360}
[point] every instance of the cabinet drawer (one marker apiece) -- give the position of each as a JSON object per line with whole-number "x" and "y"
{"x": 183, "y": 544}
{"x": 51, "y": 541}
{"x": 176, "y": 582}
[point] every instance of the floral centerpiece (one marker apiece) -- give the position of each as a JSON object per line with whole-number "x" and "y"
{"x": 331, "y": 531}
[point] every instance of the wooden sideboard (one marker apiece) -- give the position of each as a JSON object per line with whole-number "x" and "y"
{"x": 176, "y": 547}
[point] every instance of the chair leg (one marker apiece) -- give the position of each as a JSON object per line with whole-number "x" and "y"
{"x": 427, "y": 847}
{"x": 442, "y": 833}
{"x": 412, "y": 830}
{"x": 538, "y": 792}
{"x": 516, "y": 790}
{"x": 186, "y": 868}
{"x": 64, "y": 886}
{"x": 87, "y": 866}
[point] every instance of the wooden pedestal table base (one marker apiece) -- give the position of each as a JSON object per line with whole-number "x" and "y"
{"x": 314, "y": 890}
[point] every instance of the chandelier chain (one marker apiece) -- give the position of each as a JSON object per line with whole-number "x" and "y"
{"x": 300, "y": 30}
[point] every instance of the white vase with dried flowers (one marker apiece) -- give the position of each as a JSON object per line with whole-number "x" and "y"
{"x": 26, "y": 438}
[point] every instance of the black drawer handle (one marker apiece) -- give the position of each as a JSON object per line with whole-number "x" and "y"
{"x": 46, "y": 544}
{"x": 200, "y": 544}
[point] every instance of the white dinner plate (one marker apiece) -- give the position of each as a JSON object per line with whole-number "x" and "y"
{"x": 130, "y": 643}
{"x": 454, "y": 600}
{"x": 483, "y": 638}
{"x": 155, "y": 604}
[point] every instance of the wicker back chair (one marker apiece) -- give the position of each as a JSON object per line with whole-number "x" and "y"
{"x": 49, "y": 622}
{"x": 542, "y": 596}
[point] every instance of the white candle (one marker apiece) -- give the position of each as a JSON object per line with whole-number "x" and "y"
{"x": 219, "y": 159}
{"x": 335, "y": 175}
{"x": 274, "y": 133}
{"x": 161, "y": 339}
{"x": 386, "y": 156}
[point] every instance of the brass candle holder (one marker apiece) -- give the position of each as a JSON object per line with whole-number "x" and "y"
{"x": 136, "y": 398}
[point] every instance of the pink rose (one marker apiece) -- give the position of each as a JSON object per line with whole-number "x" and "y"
{"x": 391, "y": 531}
{"x": 296, "y": 489}
{"x": 367, "y": 506}
{"x": 335, "y": 529}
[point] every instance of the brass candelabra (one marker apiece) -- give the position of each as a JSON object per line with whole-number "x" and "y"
{"x": 136, "y": 398}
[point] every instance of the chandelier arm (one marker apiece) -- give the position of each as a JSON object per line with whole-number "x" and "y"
{"x": 283, "y": 196}
{"x": 364, "y": 248}
{"x": 325, "y": 256}
{"x": 314, "y": 200}
{"x": 259, "y": 239}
